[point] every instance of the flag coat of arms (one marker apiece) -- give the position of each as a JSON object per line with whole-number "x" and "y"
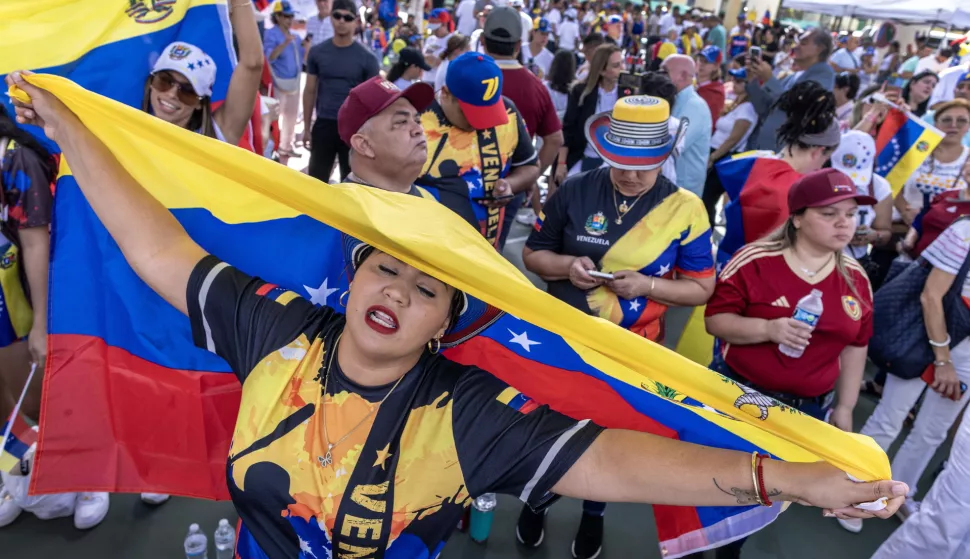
{"x": 902, "y": 144}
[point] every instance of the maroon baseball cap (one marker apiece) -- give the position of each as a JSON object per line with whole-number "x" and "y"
{"x": 824, "y": 188}
{"x": 373, "y": 96}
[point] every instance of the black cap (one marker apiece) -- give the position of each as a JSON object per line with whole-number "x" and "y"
{"x": 503, "y": 25}
{"x": 412, "y": 57}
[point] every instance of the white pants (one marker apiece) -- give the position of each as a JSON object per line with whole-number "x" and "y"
{"x": 934, "y": 420}
{"x": 939, "y": 530}
{"x": 289, "y": 111}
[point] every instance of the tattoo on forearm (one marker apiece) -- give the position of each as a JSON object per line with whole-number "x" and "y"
{"x": 745, "y": 496}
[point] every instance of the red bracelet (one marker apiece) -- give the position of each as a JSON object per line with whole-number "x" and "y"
{"x": 762, "y": 493}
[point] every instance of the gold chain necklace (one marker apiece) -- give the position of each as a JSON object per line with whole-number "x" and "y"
{"x": 327, "y": 459}
{"x": 808, "y": 273}
{"x": 622, "y": 209}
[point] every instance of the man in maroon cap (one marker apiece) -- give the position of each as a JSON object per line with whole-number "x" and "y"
{"x": 388, "y": 149}
{"x": 382, "y": 125}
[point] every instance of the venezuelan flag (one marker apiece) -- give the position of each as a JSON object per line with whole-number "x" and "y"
{"x": 17, "y": 443}
{"x": 757, "y": 187}
{"x": 110, "y": 46}
{"x": 161, "y": 412}
{"x": 903, "y": 143}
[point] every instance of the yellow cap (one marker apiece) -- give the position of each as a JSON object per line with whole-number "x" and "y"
{"x": 641, "y": 109}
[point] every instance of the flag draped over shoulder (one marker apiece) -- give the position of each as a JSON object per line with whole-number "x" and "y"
{"x": 110, "y": 46}
{"x": 903, "y": 143}
{"x": 757, "y": 185}
{"x": 131, "y": 405}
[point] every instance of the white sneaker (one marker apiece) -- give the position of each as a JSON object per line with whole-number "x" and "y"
{"x": 526, "y": 217}
{"x": 9, "y": 509}
{"x": 154, "y": 498}
{"x": 908, "y": 508}
{"x": 853, "y": 525}
{"x": 90, "y": 510}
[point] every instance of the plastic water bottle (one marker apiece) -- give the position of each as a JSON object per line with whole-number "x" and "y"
{"x": 483, "y": 511}
{"x": 196, "y": 544}
{"x": 807, "y": 311}
{"x": 225, "y": 540}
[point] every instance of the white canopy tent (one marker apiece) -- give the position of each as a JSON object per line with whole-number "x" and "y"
{"x": 955, "y": 13}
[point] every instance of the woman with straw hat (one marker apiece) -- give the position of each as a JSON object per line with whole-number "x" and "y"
{"x": 623, "y": 243}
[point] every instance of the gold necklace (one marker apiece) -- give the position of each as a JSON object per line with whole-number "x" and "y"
{"x": 622, "y": 209}
{"x": 327, "y": 459}
{"x": 808, "y": 273}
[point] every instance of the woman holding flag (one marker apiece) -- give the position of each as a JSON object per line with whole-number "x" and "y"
{"x": 385, "y": 389}
{"x": 179, "y": 91}
{"x": 940, "y": 172}
{"x": 179, "y": 88}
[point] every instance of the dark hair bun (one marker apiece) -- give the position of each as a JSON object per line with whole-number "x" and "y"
{"x": 810, "y": 109}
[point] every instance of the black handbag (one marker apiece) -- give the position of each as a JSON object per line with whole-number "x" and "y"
{"x": 900, "y": 344}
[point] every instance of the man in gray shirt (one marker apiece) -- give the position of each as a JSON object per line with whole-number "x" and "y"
{"x": 334, "y": 67}
{"x": 811, "y": 54}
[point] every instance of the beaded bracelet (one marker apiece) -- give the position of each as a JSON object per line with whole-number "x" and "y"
{"x": 762, "y": 492}
{"x": 754, "y": 477}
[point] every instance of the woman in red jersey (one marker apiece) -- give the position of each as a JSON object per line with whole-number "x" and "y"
{"x": 758, "y": 291}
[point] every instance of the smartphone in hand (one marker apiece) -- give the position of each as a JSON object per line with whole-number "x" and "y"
{"x": 929, "y": 377}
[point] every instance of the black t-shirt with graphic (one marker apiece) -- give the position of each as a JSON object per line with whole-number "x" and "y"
{"x": 400, "y": 481}
{"x": 664, "y": 234}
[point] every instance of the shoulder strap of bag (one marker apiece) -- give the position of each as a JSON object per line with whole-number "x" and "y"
{"x": 961, "y": 276}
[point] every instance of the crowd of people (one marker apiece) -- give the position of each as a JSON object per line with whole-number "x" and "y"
{"x": 608, "y": 129}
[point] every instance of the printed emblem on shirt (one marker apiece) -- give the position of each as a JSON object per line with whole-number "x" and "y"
{"x": 851, "y": 306}
{"x": 149, "y": 11}
{"x": 8, "y": 260}
{"x": 596, "y": 224}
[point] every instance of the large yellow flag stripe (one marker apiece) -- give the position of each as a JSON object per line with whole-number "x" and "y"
{"x": 50, "y": 33}
{"x": 186, "y": 170}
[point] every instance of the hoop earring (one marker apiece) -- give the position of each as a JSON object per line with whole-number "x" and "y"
{"x": 437, "y": 346}
{"x": 343, "y": 296}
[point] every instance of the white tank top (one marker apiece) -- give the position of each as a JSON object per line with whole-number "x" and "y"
{"x": 216, "y": 129}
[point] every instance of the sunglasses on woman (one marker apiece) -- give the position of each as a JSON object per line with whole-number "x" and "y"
{"x": 343, "y": 16}
{"x": 162, "y": 82}
{"x": 950, "y": 121}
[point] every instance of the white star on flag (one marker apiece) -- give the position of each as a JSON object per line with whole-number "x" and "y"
{"x": 663, "y": 270}
{"x": 305, "y": 547}
{"x": 319, "y": 295}
{"x": 635, "y": 305}
{"x": 523, "y": 340}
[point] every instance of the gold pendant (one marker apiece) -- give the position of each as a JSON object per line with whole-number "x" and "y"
{"x": 619, "y": 221}
{"x": 623, "y": 207}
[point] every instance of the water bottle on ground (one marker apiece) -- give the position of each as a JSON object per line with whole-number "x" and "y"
{"x": 225, "y": 540}
{"x": 807, "y": 311}
{"x": 196, "y": 544}
{"x": 483, "y": 511}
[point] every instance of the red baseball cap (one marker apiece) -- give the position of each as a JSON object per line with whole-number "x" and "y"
{"x": 373, "y": 96}
{"x": 824, "y": 188}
